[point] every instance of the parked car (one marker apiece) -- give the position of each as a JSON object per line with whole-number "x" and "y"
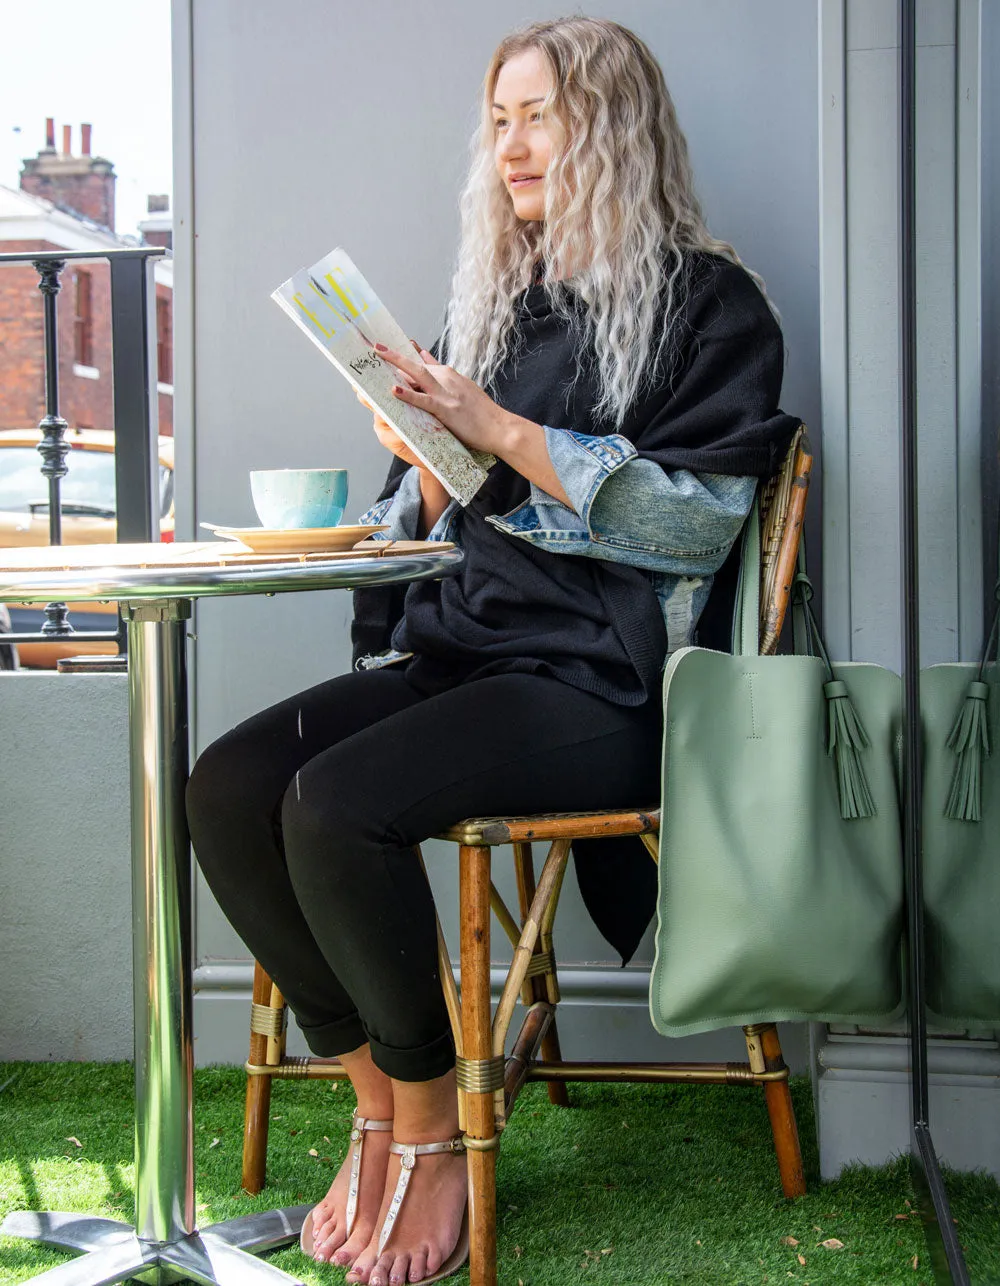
{"x": 88, "y": 518}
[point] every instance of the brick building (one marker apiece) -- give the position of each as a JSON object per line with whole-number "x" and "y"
{"x": 67, "y": 202}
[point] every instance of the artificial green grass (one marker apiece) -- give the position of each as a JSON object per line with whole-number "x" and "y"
{"x": 634, "y": 1184}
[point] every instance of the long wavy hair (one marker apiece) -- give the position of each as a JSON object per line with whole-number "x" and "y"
{"x": 621, "y": 215}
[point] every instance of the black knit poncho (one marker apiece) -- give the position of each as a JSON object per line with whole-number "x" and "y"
{"x": 596, "y": 625}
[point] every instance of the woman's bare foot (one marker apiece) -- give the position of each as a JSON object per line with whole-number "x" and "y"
{"x": 329, "y": 1218}
{"x": 429, "y": 1222}
{"x": 428, "y": 1226}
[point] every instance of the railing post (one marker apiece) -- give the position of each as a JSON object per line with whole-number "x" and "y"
{"x": 53, "y": 447}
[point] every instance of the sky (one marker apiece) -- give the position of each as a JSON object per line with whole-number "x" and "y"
{"x": 105, "y": 62}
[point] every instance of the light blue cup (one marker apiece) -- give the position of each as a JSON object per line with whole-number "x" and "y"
{"x": 288, "y": 498}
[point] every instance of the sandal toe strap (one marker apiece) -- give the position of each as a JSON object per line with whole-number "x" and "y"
{"x": 408, "y": 1152}
{"x": 359, "y": 1125}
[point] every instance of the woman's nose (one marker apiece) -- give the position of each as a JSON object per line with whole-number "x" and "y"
{"x": 512, "y": 143}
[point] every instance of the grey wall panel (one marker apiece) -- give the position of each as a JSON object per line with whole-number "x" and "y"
{"x": 333, "y": 128}
{"x": 872, "y": 295}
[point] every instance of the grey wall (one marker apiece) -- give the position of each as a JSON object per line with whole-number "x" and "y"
{"x": 65, "y": 882}
{"x": 338, "y": 127}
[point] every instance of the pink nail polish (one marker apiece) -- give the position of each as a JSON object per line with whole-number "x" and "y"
{"x": 381, "y": 348}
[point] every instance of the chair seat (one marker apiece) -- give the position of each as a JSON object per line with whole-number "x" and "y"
{"x": 487, "y": 831}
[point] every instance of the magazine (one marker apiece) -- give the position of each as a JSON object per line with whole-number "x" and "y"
{"x": 337, "y": 308}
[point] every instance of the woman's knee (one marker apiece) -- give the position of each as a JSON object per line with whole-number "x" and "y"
{"x": 225, "y": 784}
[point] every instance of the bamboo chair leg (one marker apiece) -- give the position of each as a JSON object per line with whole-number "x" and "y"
{"x": 764, "y": 1050}
{"x": 477, "y": 1041}
{"x": 258, "y": 1104}
{"x": 551, "y": 1052}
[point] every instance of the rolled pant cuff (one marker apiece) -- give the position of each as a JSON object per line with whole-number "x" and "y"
{"x": 423, "y": 1063}
{"x": 330, "y": 1040}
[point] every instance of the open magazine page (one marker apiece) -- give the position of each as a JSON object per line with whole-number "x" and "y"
{"x": 339, "y": 311}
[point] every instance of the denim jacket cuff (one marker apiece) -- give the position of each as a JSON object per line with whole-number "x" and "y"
{"x": 582, "y": 463}
{"x": 401, "y": 512}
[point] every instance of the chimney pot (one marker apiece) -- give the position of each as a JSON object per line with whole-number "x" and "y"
{"x": 157, "y": 204}
{"x": 50, "y": 133}
{"x": 67, "y": 137}
{"x": 85, "y": 140}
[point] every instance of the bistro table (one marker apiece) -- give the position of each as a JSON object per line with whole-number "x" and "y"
{"x": 155, "y": 586}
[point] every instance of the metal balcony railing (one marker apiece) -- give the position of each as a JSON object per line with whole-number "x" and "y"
{"x": 133, "y": 349}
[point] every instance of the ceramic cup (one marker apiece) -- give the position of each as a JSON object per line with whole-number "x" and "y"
{"x": 288, "y": 498}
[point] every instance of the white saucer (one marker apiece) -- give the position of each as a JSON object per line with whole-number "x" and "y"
{"x": 295, "y": 540}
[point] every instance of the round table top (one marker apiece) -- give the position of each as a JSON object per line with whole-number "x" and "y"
{"x": 132, "y": 573}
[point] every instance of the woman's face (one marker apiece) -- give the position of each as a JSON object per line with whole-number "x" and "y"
{"x": 523, "y": 144}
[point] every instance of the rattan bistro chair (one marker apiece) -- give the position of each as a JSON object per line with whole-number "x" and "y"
{"x": 488, "y": 1082}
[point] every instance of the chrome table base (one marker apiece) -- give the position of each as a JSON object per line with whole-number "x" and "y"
{"x": 156, "y": 600}
{"x": 111, "y": 1252}
{"x": 164, "y": 1246}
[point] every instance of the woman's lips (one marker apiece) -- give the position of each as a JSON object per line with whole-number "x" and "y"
{"x": 524, "y": 180}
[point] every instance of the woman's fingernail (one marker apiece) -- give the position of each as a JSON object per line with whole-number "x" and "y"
{"x": 381, "y": 348}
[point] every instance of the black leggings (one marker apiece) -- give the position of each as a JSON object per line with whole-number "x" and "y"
{"x": 304, "y": 819}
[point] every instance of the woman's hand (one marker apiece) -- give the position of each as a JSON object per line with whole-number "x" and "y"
{"x": 473, "y": 417}
{"x": 433, "y": 497}
{"x": 388, "y": 437}
{"x": 460, "y": 405}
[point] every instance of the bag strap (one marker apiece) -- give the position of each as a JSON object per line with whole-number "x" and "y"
{"x": 746, "y": 616}
{"x": 846, "y": 736}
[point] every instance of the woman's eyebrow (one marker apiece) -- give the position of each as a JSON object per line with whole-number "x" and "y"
{"x": 528, "y": 102}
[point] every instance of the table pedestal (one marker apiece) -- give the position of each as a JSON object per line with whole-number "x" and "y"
{"x": 164, "y": 1246}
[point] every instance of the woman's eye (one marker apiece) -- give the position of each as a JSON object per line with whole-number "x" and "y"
{"x": 536, "y": 116}
{"x": 499, "y": 123}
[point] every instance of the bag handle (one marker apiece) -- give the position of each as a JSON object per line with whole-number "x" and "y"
{"x": 846, "y": 736}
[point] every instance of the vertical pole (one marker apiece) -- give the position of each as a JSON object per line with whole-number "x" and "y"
{"x": 136, "y": 456}
{"x": 161, "y": 920}
{"x": 945, "y": 1249}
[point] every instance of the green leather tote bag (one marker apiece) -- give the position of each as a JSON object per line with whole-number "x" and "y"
{"x": 960, "y": 714}
{"x": 780, "y": 868}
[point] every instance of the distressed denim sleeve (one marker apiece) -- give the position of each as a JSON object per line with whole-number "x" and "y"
{"x": 630, "y": 510}
{"x": 401, "y": 512}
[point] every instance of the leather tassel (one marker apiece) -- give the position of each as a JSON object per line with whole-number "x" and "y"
{"x": 970, "y": 740}
{"x": 847, "y": 738}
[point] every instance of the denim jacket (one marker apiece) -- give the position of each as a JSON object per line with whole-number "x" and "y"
{"x": 677, "y": 526}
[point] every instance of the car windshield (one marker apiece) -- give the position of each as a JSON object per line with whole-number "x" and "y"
{"x": 90, "y": 480}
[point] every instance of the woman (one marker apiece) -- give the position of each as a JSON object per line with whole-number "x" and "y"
{"x": 624, "y": 369}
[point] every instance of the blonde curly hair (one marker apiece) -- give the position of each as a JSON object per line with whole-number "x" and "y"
{"x": 621, "y": 213}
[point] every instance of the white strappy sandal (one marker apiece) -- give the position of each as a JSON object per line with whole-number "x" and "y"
{"x": 359, "y": 1126}
{"x": 408, "y": 1153}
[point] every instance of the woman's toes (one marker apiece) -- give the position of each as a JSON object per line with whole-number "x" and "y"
{"x": 397, "y": 1273}
{"x": 418, "y": 1265}
{"x": 352, "y": 1248}
{"x": 328, "y": 1243}
{"x": 362, "y": 1267}
{"x": 379, "y": 1275}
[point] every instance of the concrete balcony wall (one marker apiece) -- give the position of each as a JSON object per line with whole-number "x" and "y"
{"x": 65, "y": 881}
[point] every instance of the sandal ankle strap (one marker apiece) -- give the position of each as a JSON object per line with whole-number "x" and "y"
{"x": 455, "y": 1145}
{"x": 408, "y": 1152}
{"x": 359, "y": 1126}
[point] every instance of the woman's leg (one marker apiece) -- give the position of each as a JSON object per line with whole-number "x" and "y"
{"x": 512, "y": 743}
{"x": 233, "y": 803}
